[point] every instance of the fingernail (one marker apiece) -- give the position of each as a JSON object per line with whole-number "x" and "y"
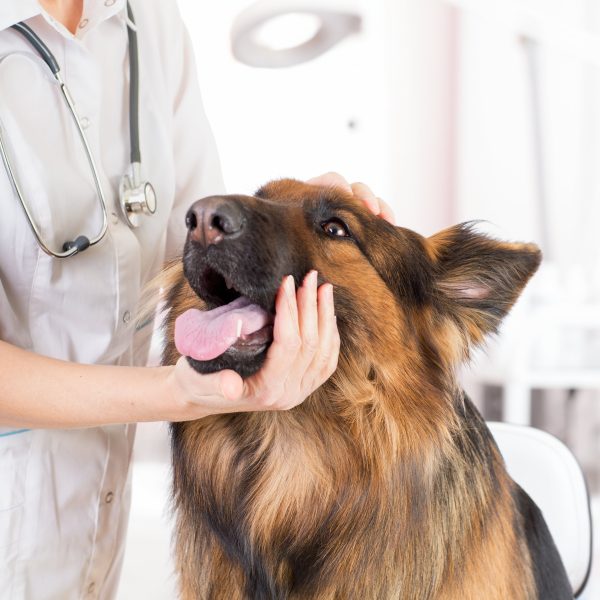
{"x": 290, "y": 288}
{"x": 311, "y": 278}
{"x": 330, "y": 291}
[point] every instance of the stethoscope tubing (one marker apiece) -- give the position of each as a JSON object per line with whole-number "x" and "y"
{"x": 40, "y": 47}
{"x": 69, "y": 100}
{"x": 134, "y": 91}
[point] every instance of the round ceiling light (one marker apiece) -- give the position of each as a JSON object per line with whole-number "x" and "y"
{"x": 283, "y": 33}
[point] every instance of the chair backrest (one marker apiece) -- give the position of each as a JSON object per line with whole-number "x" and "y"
{"x": 547, "y": 470}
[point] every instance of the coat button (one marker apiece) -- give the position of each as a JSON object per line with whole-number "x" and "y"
{"x": 91, "y": 588}
{"x": 83, "y": 23}
{"x": 126, "y": 317}
{"x": 109, "y": 2}
{"x": 108, "y": 498}
{"x": 114, "y": 218}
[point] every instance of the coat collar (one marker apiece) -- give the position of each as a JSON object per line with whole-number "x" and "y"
{"x": 95, "y": 11}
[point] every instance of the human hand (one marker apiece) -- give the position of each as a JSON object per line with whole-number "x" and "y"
{"x": 360, "y": 191}
{"x": 302, "y": 357}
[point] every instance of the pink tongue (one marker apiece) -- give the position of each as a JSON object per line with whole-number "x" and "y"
{"x": 204, "y": 335}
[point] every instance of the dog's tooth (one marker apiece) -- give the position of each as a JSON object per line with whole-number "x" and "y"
{"x": 239, "y": 327}
{"x": 228, "y": 283}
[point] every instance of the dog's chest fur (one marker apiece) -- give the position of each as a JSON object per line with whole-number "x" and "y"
{"x": 319, "y": 503}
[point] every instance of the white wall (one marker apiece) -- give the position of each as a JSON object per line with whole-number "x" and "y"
{"x": 420, "y": 58}
{"x": 393, "y": 81}
{"x": 291, "y": 122}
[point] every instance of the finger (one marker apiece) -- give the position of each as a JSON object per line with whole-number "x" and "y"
{"x": 331, "y": 179}
{"x": 308, "y": 316}
{"x": 335, "y": 355}
{"x": 265, "y": 387}
{"x": 328, "y": 333}
{"x": 365, "y": 193}
{"x": 286, "y": 330}
{"x": 386, "y": 212}
{"x": 303, "y": 373}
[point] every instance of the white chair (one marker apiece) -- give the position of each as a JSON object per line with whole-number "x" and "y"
{"x": 547, "y": 470}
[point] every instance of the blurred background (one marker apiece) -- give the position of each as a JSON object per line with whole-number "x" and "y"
{"x": 450, "y": 111}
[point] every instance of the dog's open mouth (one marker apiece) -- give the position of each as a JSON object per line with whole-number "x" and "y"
{"x": 236, "y": 325}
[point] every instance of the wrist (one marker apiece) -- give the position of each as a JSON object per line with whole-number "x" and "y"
{"x": 175, "y": 402}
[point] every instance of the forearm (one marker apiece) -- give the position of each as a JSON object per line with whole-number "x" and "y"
{"x": 36, "y": 391}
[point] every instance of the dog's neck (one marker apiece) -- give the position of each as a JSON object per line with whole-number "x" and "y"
{"x": 371, "y": 405}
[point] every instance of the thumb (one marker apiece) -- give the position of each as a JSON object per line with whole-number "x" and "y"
{"x": 232, "y": 385}
{"x": 225, "y": 384}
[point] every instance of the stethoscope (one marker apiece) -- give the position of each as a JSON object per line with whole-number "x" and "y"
{"x": 136, "y": 197}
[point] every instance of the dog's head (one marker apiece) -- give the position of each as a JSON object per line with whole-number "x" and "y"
{"x": 396, "y": 292}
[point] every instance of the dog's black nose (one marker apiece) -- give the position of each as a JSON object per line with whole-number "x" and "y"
{"x": 214, "y": 219}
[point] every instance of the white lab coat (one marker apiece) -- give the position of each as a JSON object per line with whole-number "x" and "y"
{"x": 64, "y": 495}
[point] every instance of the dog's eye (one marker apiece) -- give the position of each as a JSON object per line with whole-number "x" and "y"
{"x": 335, "y": 228}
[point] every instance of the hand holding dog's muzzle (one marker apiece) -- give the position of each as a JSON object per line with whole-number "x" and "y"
{"x": 305, "y": 347}
{"x": 302, "y": 357}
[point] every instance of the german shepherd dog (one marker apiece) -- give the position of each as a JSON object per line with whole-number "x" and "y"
{"x": 385, "y": 483}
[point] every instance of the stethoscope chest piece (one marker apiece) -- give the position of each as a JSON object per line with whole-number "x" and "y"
{"x": 136, "y": 197}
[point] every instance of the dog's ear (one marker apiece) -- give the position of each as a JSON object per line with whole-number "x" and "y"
{"x": 477, "y": 279}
